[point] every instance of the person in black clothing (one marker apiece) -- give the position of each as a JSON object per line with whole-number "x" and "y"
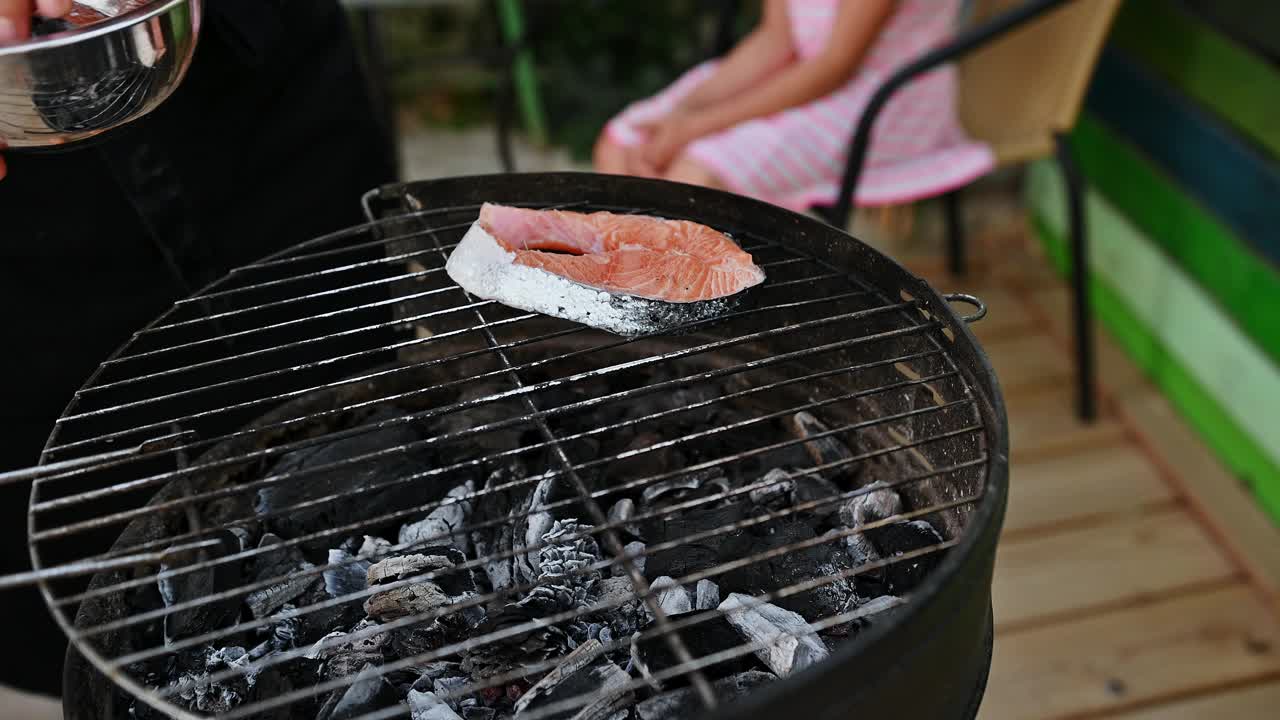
{"x": 270, "y": 140}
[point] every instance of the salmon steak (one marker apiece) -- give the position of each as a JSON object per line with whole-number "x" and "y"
{"x": 628, "y": 274}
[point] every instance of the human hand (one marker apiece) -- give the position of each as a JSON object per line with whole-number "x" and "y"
{"x": 15, "y": 16}
{"x": 667, "y": 137}
{"x": 15, "y": 26}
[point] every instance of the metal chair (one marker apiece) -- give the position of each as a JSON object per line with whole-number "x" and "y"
{"x": 1024, "y": 67}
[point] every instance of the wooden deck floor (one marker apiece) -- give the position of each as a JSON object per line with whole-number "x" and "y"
{"x": 1132, "y": 580}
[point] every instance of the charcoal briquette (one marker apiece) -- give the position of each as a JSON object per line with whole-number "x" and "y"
{"x": 684, "y": 702}
{"x": 903, "y": 576}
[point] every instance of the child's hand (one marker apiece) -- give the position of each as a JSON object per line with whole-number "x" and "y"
{"x": 667, "y": 137}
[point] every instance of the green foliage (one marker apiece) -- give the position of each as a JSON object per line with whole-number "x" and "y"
{"x": 593, "y": 57}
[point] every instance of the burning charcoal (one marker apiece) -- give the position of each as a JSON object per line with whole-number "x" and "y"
{"x": 220, "y": 697}
{"x": 416, "y": 599}
{"x": 634, "y": 550}
{"x": 640, "y": 461}
{"x": 861, "y": 551}
{"x": 562, "y": 584}
{"x": 496, "y": 539}
{"x": 882, "y": 609}
{"x": 509, "y": 653}
{"x": 583, "y": 672}
{"x": 796, "y": 566}
{"x": 882, "y": 502}
{"x": 626, "y": 613}
{"x": 776, "y": 493}
{"x": 621, "y": 512}
{"x": 903, "y": 537}
{"x": 671, "y": 597}
{"x": 478, "y": 713}
{"x": 449, "y": 518}
{"x": 343, "y": 659}
{"x": 810, "y": 486}
{"x": 493, "y": 441}
{"x": 370, "y": 692}
{"x": 702, "y": 483}
{"x": 348, "y": 577}
{"x": 684, "y": 703}
{"x": 283, "y": 562}
{"x": 426, "y": 706}
{"x": 791, "y": 644}
{"x": 706, "y": 637}
{"x": 822, "y": 450}
{"x": 281, "y": 636}
{"x": 703, "y": 553}
{"x": 198, "y": 584}
{"x": 530, "y": 528}
{"x": 707, "y": 596}
{"x": 352, "y": 481}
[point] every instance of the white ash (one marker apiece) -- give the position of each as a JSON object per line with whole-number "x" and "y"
{"x": 209, "y": 697}
{"x": 443, "y": 525}
{"x": 361, "y": 696}
{"x": 536, "y": 523}
{"x": 487, "y": 270}
{"x": 348, "y": 577}
{"x": 776, "y": 492}
{"x": 428, "y": 706}
{"x": 861, "y": 551}
{"x": 879, "y": 605}
{"x": 671, "y": 596}
{"x": 788, "y": 642}
{"x": 452, "y": 689}
{"x": 416, "y": 599}
{"x": 655, "y": 492}
{"x": 405, "y": 566}
{"x": 585, "y": 671}
{"x": 374, "y": 546}
{"x": 564, "y": 583}
{"x": 635, "y": 551}
{"x": 684, "y": 702}
{"x": 621, "y": 512}
{"x": 324, "y": 647}
{"x": 882, "y": 502}
{"x": 707, "y": 595}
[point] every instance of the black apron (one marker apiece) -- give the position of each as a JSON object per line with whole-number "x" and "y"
{"x": 270, "y": 140}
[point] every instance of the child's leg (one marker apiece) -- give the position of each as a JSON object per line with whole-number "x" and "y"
{"x": 608, "y": 156}
{"x": 685, "y": 169}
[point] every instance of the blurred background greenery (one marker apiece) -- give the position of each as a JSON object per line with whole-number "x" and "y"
{"x": 591, "y": 57}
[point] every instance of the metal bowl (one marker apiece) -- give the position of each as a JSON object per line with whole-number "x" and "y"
{"x": 73, "y": 85}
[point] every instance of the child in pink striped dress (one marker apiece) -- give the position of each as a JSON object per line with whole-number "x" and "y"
{"x": 773, "y": 119}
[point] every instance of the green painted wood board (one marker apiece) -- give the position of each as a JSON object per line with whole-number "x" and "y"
{"x": 1245, "y": 284}
{"x": 1225, "y": 387}
{"x": 1224, "y": 77}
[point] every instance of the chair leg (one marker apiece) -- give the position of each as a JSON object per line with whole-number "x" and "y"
{"x": 1087, "y": 405}
{"x": 955, "y": 233}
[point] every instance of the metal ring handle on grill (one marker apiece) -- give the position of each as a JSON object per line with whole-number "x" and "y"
{"x": 971, "y": 300}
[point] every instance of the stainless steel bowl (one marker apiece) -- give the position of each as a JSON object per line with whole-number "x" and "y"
{"x": 73, "y": 85}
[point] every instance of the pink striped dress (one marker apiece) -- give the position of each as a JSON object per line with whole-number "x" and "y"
{"x": 795, "y": 158}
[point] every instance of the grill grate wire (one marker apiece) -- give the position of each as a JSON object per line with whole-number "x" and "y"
{"x": 100, "y": 420}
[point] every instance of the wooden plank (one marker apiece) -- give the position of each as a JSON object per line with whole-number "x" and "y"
{"x": 1027, "y": 361}
{"x": 1225, "y": 385}
{"x": 20, "y": 705}
{"x": 1253, "y": 701}
{"x": 1190, "y": 643}
{"x": 1043, "y": 423}
{"x": 1091, "y": 482}
{"x": 1233, "y": 82}
{"x": 1198, "y": 243}
{"x": 1237, "y": 519}
{"x": 1222, "y": 170}
{"x": 1256, "y": 701}
{"x": 1185, "y": 459}
{"x": 1108, "y": 564}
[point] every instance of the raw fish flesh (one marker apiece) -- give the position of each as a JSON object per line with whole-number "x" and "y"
{"x": 629, "y": 274}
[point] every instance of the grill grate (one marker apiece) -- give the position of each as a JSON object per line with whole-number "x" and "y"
{"x": 297, "y": 352}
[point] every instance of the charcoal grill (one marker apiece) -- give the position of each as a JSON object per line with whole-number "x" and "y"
{"x": 171, "y": 468}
